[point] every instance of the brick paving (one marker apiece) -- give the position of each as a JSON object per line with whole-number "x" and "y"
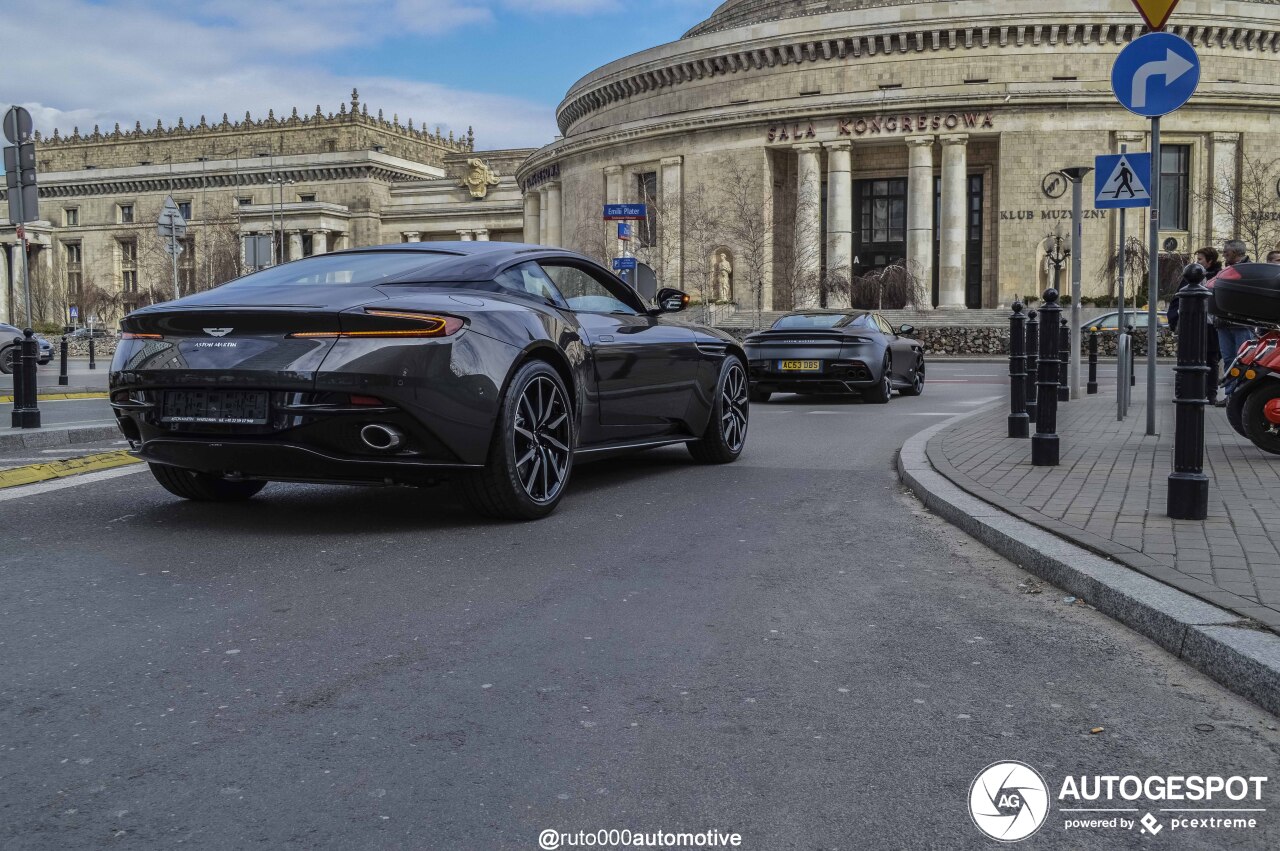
{"x": 1109, "y": 492}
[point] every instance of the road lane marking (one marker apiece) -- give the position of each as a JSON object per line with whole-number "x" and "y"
{"x": 60, "y": 397}
{"x": 73, "y": 481}
{"x": 33, "y": 473}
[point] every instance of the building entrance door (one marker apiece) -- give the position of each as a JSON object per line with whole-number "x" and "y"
{"x": 880, "y": 223}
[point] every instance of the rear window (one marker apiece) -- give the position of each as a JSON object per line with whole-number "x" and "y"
{"x": 367, "y": 270}
{"x": 816, "y": 320}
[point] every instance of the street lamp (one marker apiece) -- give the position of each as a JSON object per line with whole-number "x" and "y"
{"x": 1056, "y": 255}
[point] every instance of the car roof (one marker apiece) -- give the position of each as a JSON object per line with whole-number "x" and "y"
{"x": 826, "y": 311}
{"x": 467, "y": 261}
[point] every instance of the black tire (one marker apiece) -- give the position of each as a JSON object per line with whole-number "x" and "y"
{"x": 8, "y": 356}
{"x": 1262, "y": 432}
{"x": 726, "y": 431}
{"x": 880, "y": 394}
{"x": 917, "y": 383}
{"x": 759, "y": 397}
{"x": 1235, "y": 411}
{"x": 203, "y": 487}
{"x": 514, "y": 483}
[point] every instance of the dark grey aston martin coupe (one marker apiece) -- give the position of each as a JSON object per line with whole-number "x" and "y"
{"x": 496, "y": 365}
{"x": 835, "y": 351}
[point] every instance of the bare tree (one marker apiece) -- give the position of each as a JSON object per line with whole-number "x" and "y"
{"x": 1252, "y": 206}
{"x": 892, "y": 288}
{"x": 747, "y": 228}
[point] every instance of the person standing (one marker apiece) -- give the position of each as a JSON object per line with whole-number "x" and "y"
{"x": 1273, "y": 256}
{"x": 1231, "y": 335}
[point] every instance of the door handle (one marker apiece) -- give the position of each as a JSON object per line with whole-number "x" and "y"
{"x": 606, "y": 338}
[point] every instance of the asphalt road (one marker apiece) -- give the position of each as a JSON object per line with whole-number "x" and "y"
{"x": 789, "y": 647}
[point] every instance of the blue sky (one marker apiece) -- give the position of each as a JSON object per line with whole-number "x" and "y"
{"x": 500, "y": 65}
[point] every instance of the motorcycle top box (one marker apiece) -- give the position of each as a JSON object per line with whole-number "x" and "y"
{"x": 1249, "y": 293}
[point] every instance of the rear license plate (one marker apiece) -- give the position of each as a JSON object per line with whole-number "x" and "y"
{"x": 800, "y": 365}
{"x": 232, "y": 407}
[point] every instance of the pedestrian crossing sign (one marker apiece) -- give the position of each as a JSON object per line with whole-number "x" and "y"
{"x": 1121, "y": 181}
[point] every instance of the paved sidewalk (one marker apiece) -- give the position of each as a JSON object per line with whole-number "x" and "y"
{"x": 1109, "y": 494}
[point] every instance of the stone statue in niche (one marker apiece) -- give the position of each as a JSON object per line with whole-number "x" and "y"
{"x": 479, "y": 177}
{"x": 723, "y": 276}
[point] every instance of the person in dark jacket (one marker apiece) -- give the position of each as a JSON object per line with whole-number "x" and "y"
{"x": 1232, "y": 335}
{"x": 1208, "y": 258}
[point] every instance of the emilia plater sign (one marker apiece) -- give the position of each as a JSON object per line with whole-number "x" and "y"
{"x": 880, "y": 125}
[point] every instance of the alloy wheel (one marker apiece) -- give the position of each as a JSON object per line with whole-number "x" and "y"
{"x": 733, "y": 408}
{"x": 542, "y": 435}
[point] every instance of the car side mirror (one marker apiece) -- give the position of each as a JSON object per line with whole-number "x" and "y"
{"x": 907, "y": 331}
{"x": 672, "y": 300}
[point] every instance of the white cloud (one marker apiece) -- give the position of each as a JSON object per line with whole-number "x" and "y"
{"x": 87, "y": 63}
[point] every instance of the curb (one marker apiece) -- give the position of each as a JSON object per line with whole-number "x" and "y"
{"x": 51, "y": 438}
{"x": 1212, "y": 640}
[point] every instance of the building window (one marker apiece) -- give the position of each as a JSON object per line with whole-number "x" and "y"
{"x": 128, "y": 265}
{"x": 1175, "y": 170}
{"x": 184, "y": 210}
{"x": 330, "y": 146}
{"x": 647, "y": 191}
{"x": 244, "y": 201}
{"x": 307, "y": 199}
{"x": 126, "y": 214}
{"x": 71, "y": 216}
{"x": 882, "y": 211}
{"x": 74, "y": 255}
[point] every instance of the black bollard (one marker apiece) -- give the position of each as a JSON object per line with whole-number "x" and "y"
{"x": 1188, "y": 485}
{"x": 1091, "y": 388}
{"x": 19, "y": 384}
{"x": 1018, "y": 422}
{"x": 1064, "y": 360}
{"x": 1133, "y": 358}
{"x": 26, "y": 413}
{"x": 62, "y": 362}
{"x": 92, "y": 363}
{"x": 1033, "y": 358}
{"x": 1044, "y": 443}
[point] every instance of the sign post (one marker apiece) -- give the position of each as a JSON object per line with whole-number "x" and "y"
{"x": 624, "y": 214}
{"x": 20, "y": 183}
{"x": 173, "y": 226}
{"x": 1153, "y": 76}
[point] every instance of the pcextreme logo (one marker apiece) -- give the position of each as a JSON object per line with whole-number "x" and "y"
{"x": 1009, "y": 801}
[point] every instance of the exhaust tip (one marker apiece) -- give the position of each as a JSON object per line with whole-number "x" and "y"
{"x": 381, "y": 437}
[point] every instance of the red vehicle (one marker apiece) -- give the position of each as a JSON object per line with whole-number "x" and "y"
{"x": 1250, "y": 293}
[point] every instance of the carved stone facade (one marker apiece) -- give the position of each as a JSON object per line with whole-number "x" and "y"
{"x": 316, "y": 183}
{"x": 882, "y": 131}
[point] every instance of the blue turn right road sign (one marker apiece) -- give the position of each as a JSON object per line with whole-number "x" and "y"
{"x": 1155, "y": 74}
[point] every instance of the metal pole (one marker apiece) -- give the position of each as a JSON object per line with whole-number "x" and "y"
{"x": 1124, "y": 254}
{"x": 1153, "y": 275}
{"x": 1077, "y": 189}
{"x": 173, "y": 255}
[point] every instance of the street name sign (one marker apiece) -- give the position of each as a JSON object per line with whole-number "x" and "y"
{"x": 1122, "y": 181}
{"x": 622, "y": 264}
{"x": 624, "y": 212}
{"x": 1155, "y": 12}
{"x": 1155, "y": 74}
{"x": 171, "y": 222}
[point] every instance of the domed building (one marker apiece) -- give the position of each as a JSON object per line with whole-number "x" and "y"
{"x": 787, "y": 147}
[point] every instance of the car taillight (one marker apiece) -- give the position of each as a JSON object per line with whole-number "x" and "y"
{"x": 130, "y": 335}
{"x": 366, "y": 401}
{"x": 409, "y": 324}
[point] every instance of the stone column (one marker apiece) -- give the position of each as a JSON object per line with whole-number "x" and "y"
{"x": 808, "y": 246}
{"x": 341, "y": 240}
{"x": 482, "y": 234}
{"x": 542, "y": 217}
{"x": 554, "y": 218}
{"x": 412, "y": 236}
{"x": 44, "y": 262}
{"x": 15, "y": 267}
{"x": 532, "y": 216}
{"x": 920, "y": 214}
{"x": 319, "y": 242}
{"x": 295, "y": 245}
{"x": 466, "y": 235}
{"x": 839, "y": 222}
{"x": 955, "y": 216}
{"x": 671, "y": 221}
{"x": 1225, "y": 175}
{"x": 613, "y": 195}
{"x": 8, "y": 278}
